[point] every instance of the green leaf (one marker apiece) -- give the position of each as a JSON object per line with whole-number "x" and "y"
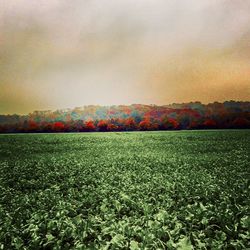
{"x": 117, "y": 239}
{"x": 134, "y": 245}
{"x": 245, "y": 221}
{"x": 184, "y": 244}
{"x": 49, "y": 237}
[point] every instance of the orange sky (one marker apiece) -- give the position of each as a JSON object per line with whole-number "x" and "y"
{"x": 62, "y": 54}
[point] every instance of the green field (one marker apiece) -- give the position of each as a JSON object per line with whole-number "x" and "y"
{"x": 137, "y": 190}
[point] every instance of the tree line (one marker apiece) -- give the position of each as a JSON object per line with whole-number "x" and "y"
{"x": 136, "y": 117}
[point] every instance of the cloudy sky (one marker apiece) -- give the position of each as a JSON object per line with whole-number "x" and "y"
{"x": 62, "y": 53}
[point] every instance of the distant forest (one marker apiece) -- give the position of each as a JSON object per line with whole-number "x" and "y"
{"x": 136, "y": 117}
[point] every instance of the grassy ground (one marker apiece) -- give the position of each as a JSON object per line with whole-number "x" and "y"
{"x": 138, "y": 190}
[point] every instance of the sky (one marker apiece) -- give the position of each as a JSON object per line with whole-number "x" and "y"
{"x": 57, "y": 54}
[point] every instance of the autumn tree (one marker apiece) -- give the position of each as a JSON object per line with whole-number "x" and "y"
{"x": 102, "y": 125}
{"x": 89, "y": 126}
{"x": 58, "y": 127}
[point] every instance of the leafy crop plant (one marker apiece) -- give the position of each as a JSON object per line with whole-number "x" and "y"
{"x": 136, "y": 190}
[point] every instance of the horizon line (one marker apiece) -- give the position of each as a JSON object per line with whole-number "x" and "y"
{"x": 112, "y": 105}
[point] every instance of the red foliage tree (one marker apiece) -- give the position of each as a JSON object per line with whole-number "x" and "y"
{"x": 170, "y": 123}
{"x": 209, "y": 123}
{"x": 145, "y": 125}
{"x": 33, "y": 126}
{"x": 90, "y": 126}
{"x": 58, "y": 127}
{"x": 112, "y": 127}
{"x": 130, "y": 123}
{"x": 241, "y": 122}
{"x": 102, "y": 125}
{"x": 193, "y": 125}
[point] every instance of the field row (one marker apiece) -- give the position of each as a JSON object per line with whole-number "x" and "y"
{"x": 138, "y": 190}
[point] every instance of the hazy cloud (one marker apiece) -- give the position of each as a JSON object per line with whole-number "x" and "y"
{"x": 58, "y": 53}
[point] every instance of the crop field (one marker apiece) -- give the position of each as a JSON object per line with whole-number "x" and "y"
{"x": 136, "y": 190}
